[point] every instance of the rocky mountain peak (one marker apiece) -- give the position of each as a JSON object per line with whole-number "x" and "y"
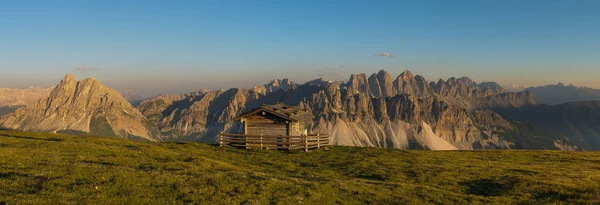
{"x": 68, "y": 82}
{"x": 385, "y": 81}
{"x": 286, "y": 81}
{"x": 382, "y": 73}
{"x": 358, "y": 77}
{"x": 84, "y": 106}
{"x": 358, "y": 83}
{"x": 275, "y": 85}
{"x": 493, "y": 86}
{"x": 318, "y": 82}
{"x": 68, "y": 79}
{"x": 466, "y": 81}
{"x": 406, "y": 75}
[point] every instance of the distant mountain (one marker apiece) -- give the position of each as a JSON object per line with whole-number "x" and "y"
{"x": 131, "y": 96}
{"x": 515, "y": 87}
{"x": 8, "y": 109}
{"x": 318, "y": 82}
{"x": 22, "y": 97}
{"x": 578, "y": 120}
{"x": 491, "y": 85}
{"x": 381, "y": 111}
{"x": 559, "y": 93}
{"x": 13, "y": 98}
{"x": 83, "y": 107}
{"x": 275, "y": 85}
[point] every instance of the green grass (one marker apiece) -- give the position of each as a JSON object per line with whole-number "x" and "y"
{"x": 41, "y": 168}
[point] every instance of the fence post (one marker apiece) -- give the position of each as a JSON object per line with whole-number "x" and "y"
{"x": 306, "y": 143}
{"x": 246, "y": 141}
{"x": 318, "y": 141}
{"x": 221, "y": 139}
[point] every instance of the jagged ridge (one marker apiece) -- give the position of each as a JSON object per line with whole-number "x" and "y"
{"x": 375, "y": 111}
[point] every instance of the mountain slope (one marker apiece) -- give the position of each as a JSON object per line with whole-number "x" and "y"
{"x": 85, "y": 106}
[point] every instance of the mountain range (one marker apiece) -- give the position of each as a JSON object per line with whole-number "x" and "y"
{"x": 406, "y": 112}
{"x": 560, "y": 93}
{"x": 13, "y": 98}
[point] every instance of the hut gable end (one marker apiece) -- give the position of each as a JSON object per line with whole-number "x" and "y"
{"x": 267, "y": 124}
{"x": 278, "y": 119}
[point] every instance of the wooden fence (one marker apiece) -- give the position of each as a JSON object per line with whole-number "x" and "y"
{"x": 306, "y": 142}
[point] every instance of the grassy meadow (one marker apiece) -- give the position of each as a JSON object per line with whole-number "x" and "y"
{"x": 42, "y": 168}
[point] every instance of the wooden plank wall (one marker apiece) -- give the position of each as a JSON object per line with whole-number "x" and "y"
{"x": 266, "y": 124}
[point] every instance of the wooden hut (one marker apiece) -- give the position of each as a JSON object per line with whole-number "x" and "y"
{"x": 276, "y": 126}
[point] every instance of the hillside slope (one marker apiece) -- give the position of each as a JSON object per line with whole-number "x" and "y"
{"x": 42, "y": 168}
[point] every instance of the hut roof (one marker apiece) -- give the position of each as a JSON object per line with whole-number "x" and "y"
{"x": 284, "y": 111}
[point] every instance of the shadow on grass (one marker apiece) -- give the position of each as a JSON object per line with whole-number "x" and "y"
{"x": 8, "y": 175}
{"x": 51, "y": 139}
{"x": 132, "y": 147}
{"x": 99, "y": 163}
{"x": 33, "y": 184}
{"x": 491, "y": 186}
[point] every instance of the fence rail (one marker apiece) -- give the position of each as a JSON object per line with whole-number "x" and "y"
{"x": 250, "y": 141}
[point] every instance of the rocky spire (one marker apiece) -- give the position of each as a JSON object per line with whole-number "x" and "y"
{"x": 385, "y": 81}
{"x": 358, "y": 83}
{"x": 374, "y": 86}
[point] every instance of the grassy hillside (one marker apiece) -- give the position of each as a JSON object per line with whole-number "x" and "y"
{"x": 59, "y": 169}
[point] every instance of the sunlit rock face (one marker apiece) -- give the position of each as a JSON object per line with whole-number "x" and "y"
{"x": 83, "y": 106}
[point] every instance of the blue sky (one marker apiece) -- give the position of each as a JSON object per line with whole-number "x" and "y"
{"x": 179, "y": 46}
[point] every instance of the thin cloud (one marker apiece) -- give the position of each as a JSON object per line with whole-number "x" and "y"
{"x": 85, "y": 68}
{"x": 384, "y": 54}
{"x": 329, "y": 73}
